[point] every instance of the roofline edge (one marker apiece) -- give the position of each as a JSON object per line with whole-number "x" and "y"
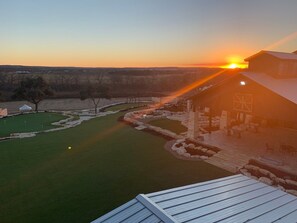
{"x": 155, "y": 209}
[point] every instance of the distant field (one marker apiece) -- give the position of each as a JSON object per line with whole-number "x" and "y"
{"x": 28, "y": 123}
{"x": 41, "y": 180}
{"x": 172, "y": 125}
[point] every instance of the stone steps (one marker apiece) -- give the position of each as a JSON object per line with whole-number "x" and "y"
{"x": 224, "y": 165}
{"x": 228, "y": 160}
{"x": 235, "y": 163}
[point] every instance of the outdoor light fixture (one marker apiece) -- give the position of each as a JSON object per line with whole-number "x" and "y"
{"x": 242, "y": 83}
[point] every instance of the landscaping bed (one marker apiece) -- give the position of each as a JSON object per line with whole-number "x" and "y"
{"x": 191, "y": 149}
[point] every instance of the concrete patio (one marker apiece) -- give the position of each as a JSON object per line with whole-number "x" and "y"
{"x": 252, "y": 144}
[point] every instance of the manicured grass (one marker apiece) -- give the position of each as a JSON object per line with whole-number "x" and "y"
{"x": 124, "y": 106}
{"x": 41, "y": 180}
{"x": 28, "y": 123}
{"x": 172, "y": 125}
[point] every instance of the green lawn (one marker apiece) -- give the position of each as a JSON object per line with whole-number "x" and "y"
{"x": 41, "y": 180}
{"x": 172, "y": 125}
{"x": 124, "y": 106}
{"x": 28, "y": 123}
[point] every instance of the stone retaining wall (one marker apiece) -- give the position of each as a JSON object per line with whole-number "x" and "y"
{"x": 271, "y": 175}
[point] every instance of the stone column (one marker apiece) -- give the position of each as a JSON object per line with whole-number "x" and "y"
{"x": 224, "y": 120}
{"x": 193, "y": 123}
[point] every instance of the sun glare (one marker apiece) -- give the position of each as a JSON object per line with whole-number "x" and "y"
{"x": 233, "y": 66}
{"x": 234, "y": 62}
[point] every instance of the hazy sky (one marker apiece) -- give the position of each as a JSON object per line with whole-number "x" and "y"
{"x": 122, "y": 33}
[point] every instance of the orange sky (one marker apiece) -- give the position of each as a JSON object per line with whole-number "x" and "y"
{"x": 143, "y": 33}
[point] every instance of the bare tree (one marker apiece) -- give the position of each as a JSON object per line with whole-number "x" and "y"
{"x": 95, "y": 93}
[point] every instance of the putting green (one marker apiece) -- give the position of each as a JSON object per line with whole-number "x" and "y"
{"x": 28, "y": 123}
{"x": 108, "y": 163}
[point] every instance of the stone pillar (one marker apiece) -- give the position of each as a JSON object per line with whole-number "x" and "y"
{"x": 189, "y": 105}
{"x": 193, "y": 124}
{"x": 224, "y": 120}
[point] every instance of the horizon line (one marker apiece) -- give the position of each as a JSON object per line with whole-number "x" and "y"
{"x": 128, "y": 67}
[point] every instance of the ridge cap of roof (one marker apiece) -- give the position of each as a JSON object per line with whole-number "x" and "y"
{"x": 155, "y": 209}
{"x": 272, "y": 53}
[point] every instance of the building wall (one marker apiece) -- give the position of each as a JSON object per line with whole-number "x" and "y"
{"x": 288, "y": 68}
{"x": 265, "y": 103}
{"x": 265, "y": 64}
{"x": 275, "y": 67}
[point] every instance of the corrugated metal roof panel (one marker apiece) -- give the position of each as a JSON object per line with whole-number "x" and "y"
{"x": 115, "y": 211}
{"x": 283, "y": 87}
{"x": 291, "y": 217}
{"x": 230, "y": 199}
{"x": 275, "y": 214}
{"x": 225, "y": 197}
{"x": 151, "y": 219}
{"x": 139, "y": 216}
{"x": 222, "y": 192}
{"x": 259, "y": 210}
{"x": 225, "y": 208}
{"x": 151, "y": 195}
{"x": 195, "y": 188}
{"x": 132, "y": 211}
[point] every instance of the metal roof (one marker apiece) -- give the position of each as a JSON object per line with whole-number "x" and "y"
{"x": 286, "y": 88}
{"x": 231, "y": 199}
{"x": 280, "y": 55}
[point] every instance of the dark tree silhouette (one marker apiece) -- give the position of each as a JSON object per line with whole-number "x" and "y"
{"x": 95, "y": 93}
{"x": 33, "y": 90}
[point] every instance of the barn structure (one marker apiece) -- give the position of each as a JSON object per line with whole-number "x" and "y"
{"x": 264, "y": 95}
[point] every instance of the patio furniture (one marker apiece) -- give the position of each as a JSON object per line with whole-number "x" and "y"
{"x": 254, "y": 126}
{"x": 237, "y": 130}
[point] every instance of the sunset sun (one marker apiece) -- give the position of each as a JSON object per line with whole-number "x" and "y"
{"x": 234, "y": 62}
{"x": 233, "y": 66}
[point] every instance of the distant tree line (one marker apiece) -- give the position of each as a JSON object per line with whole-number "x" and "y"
{"x": 72, "y": 82}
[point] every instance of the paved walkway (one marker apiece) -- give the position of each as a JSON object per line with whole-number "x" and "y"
{"x": 237, "y": 151}
{"x": 229, "y": 160}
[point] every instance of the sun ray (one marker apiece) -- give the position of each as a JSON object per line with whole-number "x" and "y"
{"x": 179, "y": 93}
{"x": 282, "y": 41}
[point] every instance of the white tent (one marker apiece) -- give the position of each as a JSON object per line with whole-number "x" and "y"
{"x": 25, "y": 108}
{"x": 3, "y": 112}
